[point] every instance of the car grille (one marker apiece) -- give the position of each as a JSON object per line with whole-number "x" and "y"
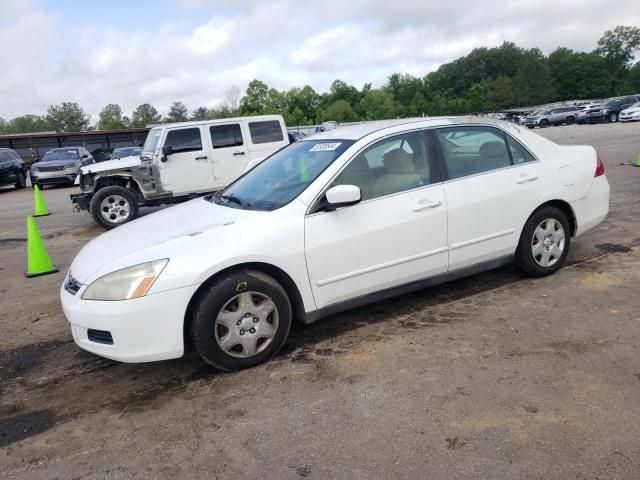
{"x": 56, "y": 168}
{"x": 100, "y": 336}
{"x": 72, "y": 285}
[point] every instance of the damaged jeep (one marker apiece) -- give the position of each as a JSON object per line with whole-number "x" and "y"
{"x": 178, "y": 162}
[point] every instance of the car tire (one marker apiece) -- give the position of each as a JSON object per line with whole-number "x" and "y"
{"x": 544, "y": 123}
{"x": 613, "y": 117}
{"x": 22, "y": 180}
{"x": 113, "y": 206}
{"x": 570, "y": 120}
{"x": 544, "y": 242}
{"x": 241, "y": 320}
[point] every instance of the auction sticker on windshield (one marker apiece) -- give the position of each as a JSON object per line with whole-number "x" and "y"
{"x": 325, "y": 147}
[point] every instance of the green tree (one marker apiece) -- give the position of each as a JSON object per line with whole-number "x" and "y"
{"x": 3, "y": 126}
{"x": 340, "y": 90}
{"x": 532, "y": 81}
{"x": 377, "y": 105}
{"x": 28, "y": 124}
{"x": 306, "y": 99}
{"x": 499, "y": 93}
{"x": 178, "y": 112}
{"x": 618, "y": 47}
{"x": 145, "y": 115}
{"x": 321, "y": 115}
{"x": 201, "y": 113}
{"x": 341, "y": 111}
{"x": 67, "y": 117}
{"x": 110, "y": 118}
{"x": 256, "y": 99}
{"x": 296, "y": 118}
{"x": 476, "y": 97}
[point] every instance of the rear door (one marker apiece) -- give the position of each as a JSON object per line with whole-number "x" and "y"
{"x": 230, "y": 153}
{"x": 493, "y": 183}
{"x": 188, "y": 169}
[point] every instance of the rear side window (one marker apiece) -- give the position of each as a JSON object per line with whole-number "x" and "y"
{"x": 472, "y": 150}
{"x": 266, "y": 132}
{"x": 519, "y": 154}
{"x": 225, "y": 136}
{"x": 184, "y": 140}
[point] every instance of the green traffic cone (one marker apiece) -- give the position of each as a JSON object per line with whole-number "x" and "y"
{"x": 38, "y": 261}
{"x": 637, "y": 162}
{"x": 40, "y": 207}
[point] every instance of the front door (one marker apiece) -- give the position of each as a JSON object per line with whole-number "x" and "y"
{"x": 188, "y": 168}
{"x": 396, "y": 234}
{"x": 230, "y": 154}
{"x": 492, "y": 187}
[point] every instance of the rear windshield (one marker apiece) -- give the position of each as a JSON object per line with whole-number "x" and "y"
{"x": 51, "y": 155}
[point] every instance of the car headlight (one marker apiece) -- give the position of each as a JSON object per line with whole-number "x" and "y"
{"x": 126, "y": 284}
{"x": 605, "y": 111}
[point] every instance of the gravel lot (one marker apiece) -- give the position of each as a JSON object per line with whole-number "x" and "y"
{"x": 494, "y": 376}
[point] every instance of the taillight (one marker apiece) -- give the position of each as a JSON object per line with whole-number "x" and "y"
{"x": 599, "y": 168}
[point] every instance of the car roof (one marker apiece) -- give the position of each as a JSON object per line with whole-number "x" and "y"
{"x": 361, "y": 130}
{"x": 63, "y": 148}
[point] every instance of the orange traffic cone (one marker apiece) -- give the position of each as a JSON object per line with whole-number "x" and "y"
{"x": 38, "y": 261}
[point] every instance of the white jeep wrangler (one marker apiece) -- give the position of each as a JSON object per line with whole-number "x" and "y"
{"x": 178, "y": 162}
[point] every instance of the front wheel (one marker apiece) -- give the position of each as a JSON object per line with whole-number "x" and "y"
{"x": 570, "y": 120}
{"x": 241, "y": 320}
{"x": 112, "y": 206}
{"x": 613, "y": 117}
{"x": 544, "y": 243}
{"x": 22, "y": 180}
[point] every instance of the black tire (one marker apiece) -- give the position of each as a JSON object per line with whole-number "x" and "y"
{"x": 613, "y": 117}
{"x": 570, "y": 120}
{"x": 204, "y": 331}
{"x": 118, "y": 218}
{"x": 524, "y": 255}
{"x": 22, "y": 180}
{"x": 544, "y": 123}
{"x": 530, "y": 126}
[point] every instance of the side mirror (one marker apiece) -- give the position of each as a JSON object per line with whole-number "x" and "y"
{"x": 84, "y": 155}
{"x": 167, "y": 150}
{"x": 342, "y": 196}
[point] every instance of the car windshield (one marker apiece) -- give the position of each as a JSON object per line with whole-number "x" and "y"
{"x": 611, "y": 103}
{"x": 124, "y": 152}
{"x": 52, "y": 155}
{"x": 281, "y": 177}
{"x": 151, "y": 142}
{"x": 544, "y": 112}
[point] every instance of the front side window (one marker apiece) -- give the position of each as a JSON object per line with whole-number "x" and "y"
{"x": 266, "y": 132}
{"x": 390, "y": 166}
{"x": 472, "y": 150}
{"x": 184, "y": 140}
{"x": 283, "y": 176}
{"x": 225, "y": 136}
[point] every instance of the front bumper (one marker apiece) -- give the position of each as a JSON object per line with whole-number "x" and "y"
{"x": 8, "y": 176}
{"x": 144, "y": 329}
{"x": 81, "y": 200}
{"x": 630, "y": 118}
{"x": 53, "y": 178}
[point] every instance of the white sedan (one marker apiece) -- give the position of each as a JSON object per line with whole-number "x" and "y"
{"x": 631, "y": 114}
{"x": 337, "y": 220}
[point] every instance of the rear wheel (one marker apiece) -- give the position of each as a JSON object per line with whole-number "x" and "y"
{"x": 112, "y": 206}
{"x": 544, "y": 243}
{"x": 242, "y": 320}
{"x": 22, "y": 180}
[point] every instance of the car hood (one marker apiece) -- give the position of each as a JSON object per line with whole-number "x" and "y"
{"x": 124, "y": 162}
{"x": 55, "y": 163}
{"x": 154, "y": 236}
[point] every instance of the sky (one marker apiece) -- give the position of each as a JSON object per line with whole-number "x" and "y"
{"x": 138, "y": 51}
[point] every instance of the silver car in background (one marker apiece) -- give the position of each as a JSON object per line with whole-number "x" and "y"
{"x": 552, "y": 116}
{"x": 60, "y": 166}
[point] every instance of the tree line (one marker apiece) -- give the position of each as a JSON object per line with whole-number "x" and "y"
{"x": 487, "y": 79}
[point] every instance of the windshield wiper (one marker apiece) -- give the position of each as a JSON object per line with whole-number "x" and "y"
{"x": 233, "y": 199}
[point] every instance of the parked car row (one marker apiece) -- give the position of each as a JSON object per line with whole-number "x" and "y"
{"x": 623, "y": 109}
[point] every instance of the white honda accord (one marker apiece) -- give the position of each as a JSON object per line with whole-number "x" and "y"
{"x": 337, "y": 220}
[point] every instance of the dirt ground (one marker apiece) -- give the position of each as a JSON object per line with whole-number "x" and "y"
{"x": 494, "y": 376}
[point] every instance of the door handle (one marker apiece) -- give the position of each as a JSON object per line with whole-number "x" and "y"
{"x": 203, "y": 157}
{"x": 424, "y": 204}
{"x": 238, "y": 153}
{"x": 524, "y": 178}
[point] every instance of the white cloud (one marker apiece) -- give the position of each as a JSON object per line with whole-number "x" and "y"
{"x": 202, "y": 47}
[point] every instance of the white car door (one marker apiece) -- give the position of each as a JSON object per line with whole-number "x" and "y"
{"x": 493, "y": 183}
{"x": 396, "y": 234}
{"x": 188, "y": 168}
{"x": 230, "y": 154}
